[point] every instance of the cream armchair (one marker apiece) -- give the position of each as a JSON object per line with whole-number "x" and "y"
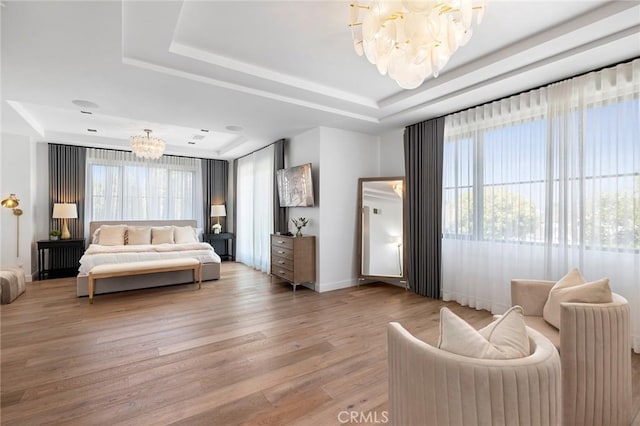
{"x": 428, "y": 386}
{"x": 595, "y": 353}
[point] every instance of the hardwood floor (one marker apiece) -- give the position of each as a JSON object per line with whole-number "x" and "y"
{"x": 243, "y": 350}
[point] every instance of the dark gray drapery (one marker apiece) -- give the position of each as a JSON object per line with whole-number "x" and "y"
{"x": 215, "y": 181}
{"x": 423, "y": 151}
{"x": 280, "y": 214}
{"x": 235, "y": 198}
{"x": 67, "y": 169}
{"x": 67, "y": 184}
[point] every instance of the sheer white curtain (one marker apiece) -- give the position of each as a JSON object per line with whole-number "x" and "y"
{"x": 121, "y": 186}
{"x": 255, "y": 209}
{"x": 542, "y": 182}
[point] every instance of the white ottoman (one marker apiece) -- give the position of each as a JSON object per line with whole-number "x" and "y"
{"x": 12, "y": 284}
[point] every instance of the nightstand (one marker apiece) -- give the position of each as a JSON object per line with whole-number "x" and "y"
{"x": 220, "y": 243}
{"x": 63, "y": 259}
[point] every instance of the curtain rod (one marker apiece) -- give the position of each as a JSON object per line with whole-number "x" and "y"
{"x": 530, "y": 89}
{"x": 124, "y": 150}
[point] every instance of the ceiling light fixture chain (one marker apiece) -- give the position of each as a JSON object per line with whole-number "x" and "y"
{"x": 412, "y": 39}
{"x": 147, "y": 146}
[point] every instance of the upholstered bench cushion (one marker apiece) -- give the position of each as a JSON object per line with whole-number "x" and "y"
{"x": 144, "y": 265}
{"x": 12, "y": 284}
{"x": 141, "y": 268}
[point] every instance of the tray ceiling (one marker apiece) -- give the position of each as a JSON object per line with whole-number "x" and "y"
{"x": 273, "y": 68}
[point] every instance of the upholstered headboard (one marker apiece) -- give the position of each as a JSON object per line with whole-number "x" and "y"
{"x": 95, "y": 225}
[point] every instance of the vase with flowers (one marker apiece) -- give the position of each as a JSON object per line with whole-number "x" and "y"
{"x": 300, "y": 223}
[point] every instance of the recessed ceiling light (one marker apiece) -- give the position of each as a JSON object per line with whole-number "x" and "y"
{"x": 234, "y": 128}
{"x": 204, "y": 130}
{"x": 84, "y": 104}
{"x": 191, "y": 143}
{"x": 92, "y": 130}
{"x": 86, "y": 112}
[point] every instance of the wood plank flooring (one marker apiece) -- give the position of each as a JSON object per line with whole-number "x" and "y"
{"x": 242, "y": 350}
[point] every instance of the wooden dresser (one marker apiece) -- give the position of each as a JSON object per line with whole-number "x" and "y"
{"x": 293, "y": 259}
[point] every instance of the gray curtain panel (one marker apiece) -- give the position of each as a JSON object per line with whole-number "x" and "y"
{"x": 235, "y": 202}
{"x": 67, "y": 168}
{"x": 215, "y": 181}
{"x": 423, "y": 151}
{"x": 280, "y": 214}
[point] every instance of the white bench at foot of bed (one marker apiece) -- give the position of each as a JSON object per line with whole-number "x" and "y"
{"x": 146, "y": 267}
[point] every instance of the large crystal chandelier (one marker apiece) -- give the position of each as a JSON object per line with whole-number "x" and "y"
{"x": 411, "y": 40}
{"x": 146, "y": 146}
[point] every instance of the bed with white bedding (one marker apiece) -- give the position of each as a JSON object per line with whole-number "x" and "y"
{"x": 136, "y": 238}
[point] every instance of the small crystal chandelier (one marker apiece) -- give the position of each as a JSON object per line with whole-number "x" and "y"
{"x": 412, "y": 39}
{"x": 146, "y": 146}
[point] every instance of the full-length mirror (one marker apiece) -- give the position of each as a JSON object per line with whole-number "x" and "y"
{"x": 381, "y": 226}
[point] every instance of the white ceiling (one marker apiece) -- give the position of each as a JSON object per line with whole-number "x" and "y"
{"x": 274, "y": 68}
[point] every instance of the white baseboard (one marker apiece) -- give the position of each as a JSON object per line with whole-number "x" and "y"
{"x": 338, "y": 285}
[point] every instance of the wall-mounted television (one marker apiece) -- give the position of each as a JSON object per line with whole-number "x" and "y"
{"x": 295, "y": 186}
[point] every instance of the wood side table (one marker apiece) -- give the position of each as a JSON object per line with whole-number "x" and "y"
{"x": 63, "y": 258}
{"x": 220, "y": 243}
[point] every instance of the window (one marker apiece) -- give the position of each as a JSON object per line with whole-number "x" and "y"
{"x": 529, "y": 182}
{"x": 543, "y": 182}
{"x": 612, "y": 176}
{"x": 255, "y": 183}
{"x": 122, "y": 187}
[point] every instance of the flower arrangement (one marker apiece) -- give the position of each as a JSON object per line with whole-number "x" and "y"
{"x": 216, "y": 228}
{"x": 300, "y": 223}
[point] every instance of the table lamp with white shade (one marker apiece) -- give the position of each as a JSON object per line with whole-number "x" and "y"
{"x": 65, "y": 211}
{"x": 218, "y": 211}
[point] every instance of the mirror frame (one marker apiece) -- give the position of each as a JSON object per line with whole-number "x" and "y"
{"x": 361, "y": 276}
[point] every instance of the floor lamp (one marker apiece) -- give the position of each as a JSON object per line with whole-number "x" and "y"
{"x": 11, "y": 202}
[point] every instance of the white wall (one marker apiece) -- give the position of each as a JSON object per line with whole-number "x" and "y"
{"x": 392, "y": 153}
{"x": 18, "y": 175}
{"x": 338, "y": 159}
{"x": 301, "y": 149}
{"x": 41, "y": 181}
{"x": 345, "y": 156}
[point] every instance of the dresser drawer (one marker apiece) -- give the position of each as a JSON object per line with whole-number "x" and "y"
{"x": 281, "y": 262}
{"x": 282, "y": 273}
{"x": 282, "y": 252}
{"x": 279, "y": 241}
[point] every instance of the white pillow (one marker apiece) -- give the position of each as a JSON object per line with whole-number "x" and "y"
{"x": 505, "y": 338}
{"x": 184, "y": 234}
{"x": 95, "y": 238}
{"x": 112, "y": 235}
{"x": 138, "y": 235}
{"x": 162, "y": 235}
{"x": 574, "y": 288}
